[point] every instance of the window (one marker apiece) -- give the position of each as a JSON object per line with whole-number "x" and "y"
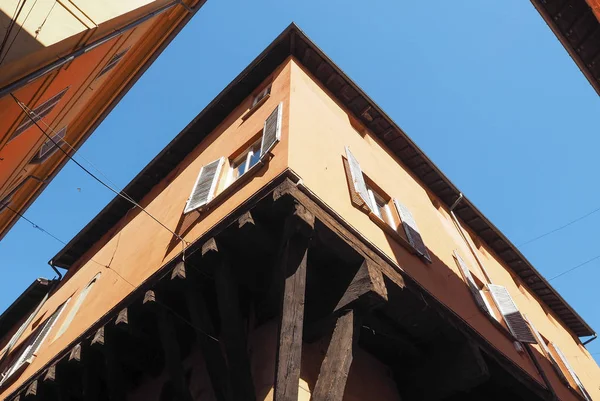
{"x": 380, "y": 206}
{"x": 32, "y": 345}
{"x": 112, "y": 62}
{"x": 365, "y": 197}
{"x": 263, "y": 94}
{"x": 39, "y": 112}
{"x": 476, "y": 287}
{"x": 244, "y": 163}
{"x": 562, "y": 368}
{"x": 205, "y": 188}
{"x": 73, "y": 312}
{"x": 48, "y": 148}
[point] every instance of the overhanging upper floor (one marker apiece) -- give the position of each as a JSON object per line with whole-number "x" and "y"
{"x": 292, "y": 42}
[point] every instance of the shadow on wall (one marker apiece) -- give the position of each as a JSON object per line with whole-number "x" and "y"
{"x": 18, "y": 42}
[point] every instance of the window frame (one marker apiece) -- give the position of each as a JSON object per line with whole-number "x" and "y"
{"x": 375, "y": 193}
{"x": 41, "y": 156}
{"x": 261, "y": 96}
{"x": 245, "y": 157}
{"x": 75, "y": 308}
{"x": 27, "y": 352}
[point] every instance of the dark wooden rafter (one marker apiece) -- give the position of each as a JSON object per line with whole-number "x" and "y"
{"x": 209, "y": 290}
{"x": 233, "y": 330}
{"x": 290, "y": 276}
{"x": 216, "y": 365}
{"x": 168, "y": 338}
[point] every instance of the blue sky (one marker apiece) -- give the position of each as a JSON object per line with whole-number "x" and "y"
{"x": 484, "y": 88}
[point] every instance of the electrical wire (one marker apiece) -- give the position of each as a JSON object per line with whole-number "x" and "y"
{"x": 34, "y": 225}
{"x": 133, "y": 287}
{"x": 12, "y": 24}
{"x": 575, "y": 267}
{"x": 29, "y": 113}
{"x": 18, "y": 32}
{"x": 559, "y": 228}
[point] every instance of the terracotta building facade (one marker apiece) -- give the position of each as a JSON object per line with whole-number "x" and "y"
{"x": 63, "y": 66}
{"x": 294, "y": 244}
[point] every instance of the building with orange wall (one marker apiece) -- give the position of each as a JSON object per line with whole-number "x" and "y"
{"x": 576, "y": 23}
{"x": 295, "y": 244}
{"x": 68, "y": 63}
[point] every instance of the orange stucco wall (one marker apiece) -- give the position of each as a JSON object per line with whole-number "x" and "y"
{"x": 315, "y": 130}
{"x": 137, "y": 247}
{"x": 316, "y": 155}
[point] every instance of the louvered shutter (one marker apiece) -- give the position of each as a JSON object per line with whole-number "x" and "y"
{"x": 358, "y": 180}
{"x": 271, "y": 131}
{"x": 572, "y": 373}
{"x": 471, "y": 284}
{"x": 513, "y": 318}
{"x": 544, "y": 346}
{"x": 33, "y": 344}
{"x": 205, "y": 186}
{"x": 412, "y": 232}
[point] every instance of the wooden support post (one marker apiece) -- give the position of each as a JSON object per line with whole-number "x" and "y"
{"x": 92, "y": 363}
{"x": 172, "y": 353}
{"x": 115, "y": 380}
{"x": 336, "y": 365}
{"x": 205, "y": 333}
{"x": 292, "y": 276}
{"x": 233, "y": 330}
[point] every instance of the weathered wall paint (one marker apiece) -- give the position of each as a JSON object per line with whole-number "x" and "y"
{"x": 316, "y": 154}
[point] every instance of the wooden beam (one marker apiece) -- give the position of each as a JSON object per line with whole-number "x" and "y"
{"x": 367, "y": 289}
{"x": 335, "y": 368}
{"x": 92, "y": 367}
{"x": 254, "y": 233}
{"x": 292, "y": 273}
{"x": 233, "y": 330}
{"x": 115, "y": 375}
{"x": 32, "y": 390}
{"x": 172, "y": 353}
{"x": 205, "y": 335}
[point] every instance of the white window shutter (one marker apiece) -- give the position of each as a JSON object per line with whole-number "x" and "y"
{"x": 271, "y": 130}
{"x": 572, "y": 373}
{"x": 513, "y": 318}
{"x": 544, "y": 346}
{"x": 477, "y": 294}
{"x": 33, "y": 344}
{"x": 358, "y": 180}
{"x": 205, "y": 186}
{"x": 412, "y": 231}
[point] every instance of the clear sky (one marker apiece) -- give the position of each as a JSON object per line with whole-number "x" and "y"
{"x": 484, "y": 88}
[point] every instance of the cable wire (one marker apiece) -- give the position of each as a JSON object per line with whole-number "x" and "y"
{"x": 559, "y": 228}
{"x": 29, "y": 113}
{"x": 18, "y": 32}
{"x": 133, "y": 287}
{"x": 575, "y": 267}
{"x": 11, "y": 24}
{"x": 35, "y": 225}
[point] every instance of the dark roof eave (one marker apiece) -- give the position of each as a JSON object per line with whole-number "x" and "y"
{"x": 24, "y": 304}
{"x": 585, "y": 60}
{"x": 293, "y": 42}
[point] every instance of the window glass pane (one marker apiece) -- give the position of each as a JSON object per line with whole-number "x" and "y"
{"x": 254, "y": 158}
